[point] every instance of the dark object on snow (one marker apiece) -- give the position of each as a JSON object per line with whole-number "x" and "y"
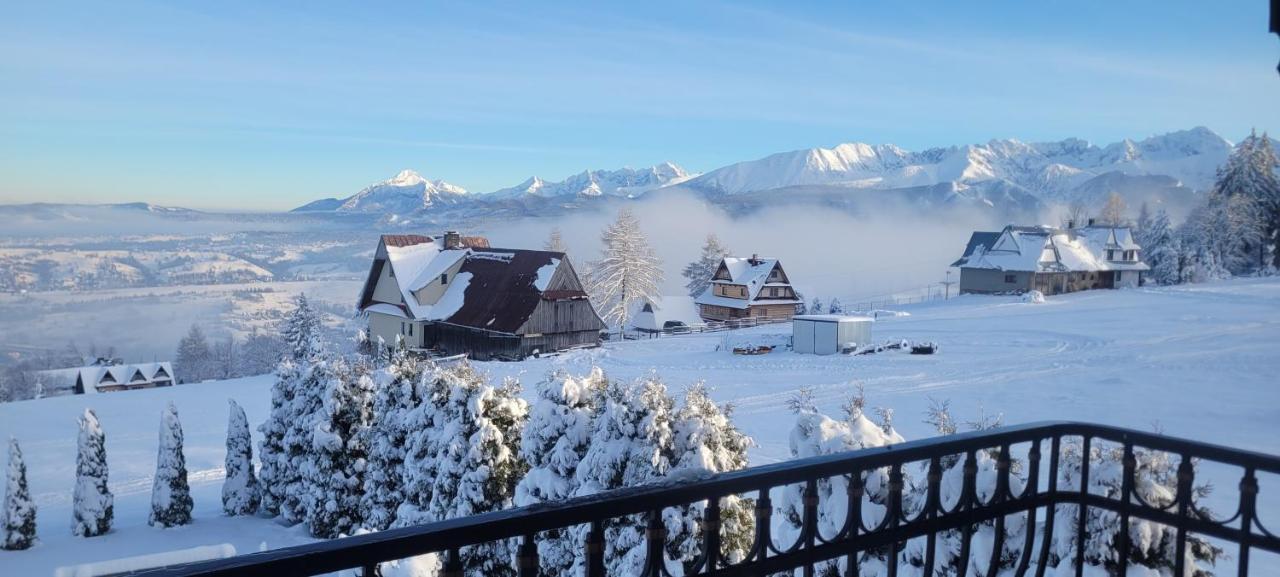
{"x": 760, "y": 350}
{"x": 888, "y": 346}
{"x": 924, "y": 348}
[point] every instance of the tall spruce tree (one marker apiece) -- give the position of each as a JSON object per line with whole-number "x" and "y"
{"x": 333, "y": 473}
{"x": 394, "y": 398}
{"x": 1160, "y": 249}
{"x": 707, "y": 442}
{"x": 194, "y": 360}
{"x": 477, "y": 471}
{"x": 627, "y": 273}
{"x": 170, "y": 494}
{"x": 631, "y": 445}
{"x": 93, "y": 509}
{"x": 555, "y": 439}
{"x": 699, "y": 272}
{"x": 240, "y": 493}
{"x": 18, "y": 525}
{"x": 423, "y": 442}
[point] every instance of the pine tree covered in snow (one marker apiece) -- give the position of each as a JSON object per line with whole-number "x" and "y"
{"x": 333, "y": 473}
{"x": 627, "y": 273}
{"x": 556, "y": 437}
{"x": 478, "y": 468}
{"x": 423, "y": 442}
{"x": 394, "y": 398}
{"x": 1160, "y": 249}
{"x": 835, "y": 307}
{"x": 302, "y": 330}
{"x": 1250, "y": 172}
{"x": 815, "y": 306}
{"x": 699, "y": 272}
{"x": 555, "y": 242}
{"x": 707, "y": 442}
{"x": 18, "y": 524}
{"x": 276, "y": 472}
{"x": 194, "y": 360}
{"x": 631, "y": 445}
{"x": 93, "y": 508}
{"x": 240, "y": 494}
{"x": 299, "y": 433}
{"x": 170, "y": 494}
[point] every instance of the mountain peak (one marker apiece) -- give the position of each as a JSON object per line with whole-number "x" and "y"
{"x": 406, "y": 177}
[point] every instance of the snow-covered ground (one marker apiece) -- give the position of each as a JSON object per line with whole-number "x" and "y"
{"x": 1200, "y": 361}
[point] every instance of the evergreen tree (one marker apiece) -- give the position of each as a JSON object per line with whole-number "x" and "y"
{"x": 423, "y": 443}
{"x": 801, "y": 307}
{"x": 627, "y": 273}
{"x": 299, "y": 433}
{"x": 302, "y": 330}
{"x": 19, "y": 520}
{"x": 170, "y": 495}
{"x": 333, "y": 474}
{"x": 707, "y": 442}
{"x": 477, "y": 471}
{"x": 260, "y": 353}
{"x": 835, "y": 307}
{"x": 194, "y": 360}
{"x": 1160, "y": 249}
{"x": 240, "y": 494}
{"x": 555, "y": 243}
{"x": 631, "y": 445}
{"x": 395, "y": 397}
{"x": 699, "y": 272}
{"x": 93, "y": 508}
{"x": 277, "y": 472}
{"x": 556, "y": 437}
{"x": 815, "y": 306}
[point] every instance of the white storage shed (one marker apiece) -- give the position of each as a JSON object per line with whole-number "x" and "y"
{"x": 829, "y": 334}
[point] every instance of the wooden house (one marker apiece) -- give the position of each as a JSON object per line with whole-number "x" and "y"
{"x": 748, "y": 287}
{"x": 453, "y": 294}
{"x": 1050, "y": 260}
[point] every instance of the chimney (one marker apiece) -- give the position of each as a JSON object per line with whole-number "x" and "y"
{"x": 1091, "y": 222}
{"x": 452, "y": 239}
{"x": 1071, "y": 224}
{"x": 755, "y": 259}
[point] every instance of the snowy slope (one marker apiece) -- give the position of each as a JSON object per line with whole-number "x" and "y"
{"x": 1053, "y": 168}
{"x": 626, "y": 182}
{"x": 1198, "y": 360}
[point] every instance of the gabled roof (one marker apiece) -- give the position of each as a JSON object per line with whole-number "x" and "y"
{"x": 650, "y": 315}
{"x": 752, "y": 273}
{"x": 1048, "y": 249}
{"x": 100, "y": 375}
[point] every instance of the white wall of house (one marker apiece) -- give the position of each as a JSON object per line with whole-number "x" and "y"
{"x": 1126, "y": 279}
{"x": 389, "y": 327}
{"x": 387, "y": 290}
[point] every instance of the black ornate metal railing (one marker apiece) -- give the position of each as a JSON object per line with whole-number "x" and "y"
{"x": 1018, "y": 453}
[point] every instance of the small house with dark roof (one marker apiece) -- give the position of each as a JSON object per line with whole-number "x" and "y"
{"x": 1050, "y": 260}
{"x": 454, "y": 294}
{"x": 752, "y": 287}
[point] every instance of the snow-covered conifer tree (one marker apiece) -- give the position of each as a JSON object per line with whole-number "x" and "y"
{"x": 555, "y": 242}
{"x": 276, "y": 471}
{"x": 302, "y": 330}
{"x": 18, "y": 524}
{"x": 170, "y": 495}
{"x": 299, "y": 438}
{"x": 631, "y": 445}
{"x": 835, "y": 307}
{"x": 627, "y": 273}
{"x": 1160, "y": 250}
{"x": 1250, "y": 172}
{"x": 93, "y": 509}
{"x": 240, "y": 495}
{"x": 707, "y": 442}
{"x": 478, "y": 468}
{"x": 699, "y": 272}
{"x": 194, "y": 359}
{"x": 333, "y": 471}
{"x": 284, "y": 434}
{"x": 815, "y": 306}
{"x": 555, "y": 439}
{"x": 394, "y": 398}
{"x": 423, "y": 441}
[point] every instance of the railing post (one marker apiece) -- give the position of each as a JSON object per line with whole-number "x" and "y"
{"x": 1051, "y": 510}
{"x": 894, "y": 512}
{"x": 968, "y": 499}
{"x": 1086, "y": 455}
{"x": 809, "y": 533}
{"x": 711, "y": 535}
{"x": 528, "y": 556}
{"x": 1186, "y": 475}
{"x": 452, "y": 564}
{"x": 1130, "y": 467}
{"x": 655, "y": 538}
{"x": 1003, "y": 466}
{"x": 1030, "y": 490}
{"x": 931, "y": 505}
{"x": 595, "y": 549}
{"x": 853, "y": 521}
{"x": 764, "y": 514}
{"x": 370, "y": 570}
{"x": 1248, "y": 508}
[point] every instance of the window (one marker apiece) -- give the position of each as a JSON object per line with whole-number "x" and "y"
{"x": 402, "y": 328}
{"x": 444, "y": 278}
{"x": 410, "y": 329}
{"x": 1010, "y": 278}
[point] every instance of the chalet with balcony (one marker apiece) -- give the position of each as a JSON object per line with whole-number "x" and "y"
{"x": 753, "y": 287}
{"x": 453, "y": 294}
{"x": 1050, "y": 260}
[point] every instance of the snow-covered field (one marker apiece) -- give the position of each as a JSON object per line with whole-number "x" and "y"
{"x": 1200, "y": 361}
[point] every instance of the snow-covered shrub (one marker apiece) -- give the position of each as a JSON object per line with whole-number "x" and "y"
{"x": 18, "y": 525}
{"x": 395, "y": 396}
{"x": 707, "y": 442}
{"x": 240, "y": 494}
{"x": 283, "y": 439}
{"x": 93, "y": 508}
{"x": 556, "y": 437}
{"x": 631, "y": 445}
{"x": 298, "y": 442}
{"x": 422, "y": 444}
{"x": 478, "y": 468}
{"x": 334, "y": 469}
{"x": 170, "y": 495}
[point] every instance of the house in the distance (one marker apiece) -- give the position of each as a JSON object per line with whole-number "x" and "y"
{"x": 654, "y": 315}
{"x": 106, "y": 378}
{"x": 1050, "y": 260}
{"x": 454, "y": 294}
{"x": 748, "y": 287}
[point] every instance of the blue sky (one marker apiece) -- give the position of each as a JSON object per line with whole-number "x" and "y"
{"x": 266, "y": 105}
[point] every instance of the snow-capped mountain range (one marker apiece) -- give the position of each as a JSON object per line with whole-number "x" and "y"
{"x": 1009, "y": 175}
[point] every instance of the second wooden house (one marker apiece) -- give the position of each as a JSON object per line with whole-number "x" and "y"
{"x": 752, "y": 287}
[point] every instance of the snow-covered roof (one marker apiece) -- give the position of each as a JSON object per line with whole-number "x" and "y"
{"x": 651, "y": 315}
{"x": 136, "y": 374}
{"x": 1048, "y": 249}
{"x": 833, "y": 318}
{"x": 751, "y": 272}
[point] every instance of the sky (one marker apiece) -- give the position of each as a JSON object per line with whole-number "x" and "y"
{"x": 259, "y": 106}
